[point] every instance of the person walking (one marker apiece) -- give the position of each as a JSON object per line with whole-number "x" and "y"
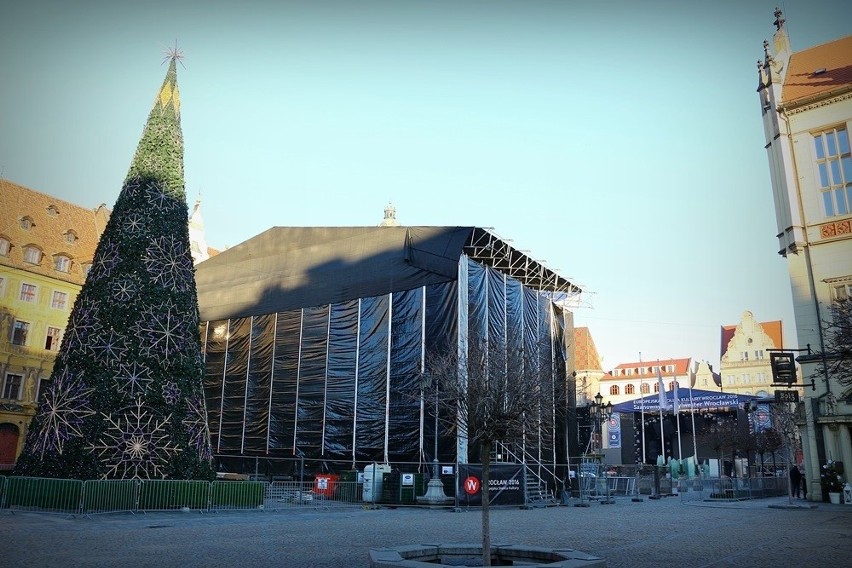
{"x": 795, "y": 480}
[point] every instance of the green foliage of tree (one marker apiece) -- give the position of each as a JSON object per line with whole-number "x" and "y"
{"x": 125, "y": 396}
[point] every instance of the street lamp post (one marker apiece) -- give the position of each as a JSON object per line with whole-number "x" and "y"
{"x": 601, "y": 413}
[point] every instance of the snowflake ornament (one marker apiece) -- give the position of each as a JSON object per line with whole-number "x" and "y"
{"x": 171, "y": 392}
{"x": 135, "y": 445}
{"x": 163, "y": 330}
{"x": 196, "y": 427}
{"x": 167, "y": 263}
{"x": 65, "y": 405}
{"x": 108, "y": 346}
{"x": 158, "y": 198}
{"x": 125, "y": 289}
{"x": 133, "y": 379}
{"x": 135, "y": 223}
{"x": 83, "y": 325}
{"x": 105, "y": 262}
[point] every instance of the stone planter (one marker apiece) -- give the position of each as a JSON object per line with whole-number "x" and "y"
{"x": 834, "y": 498}
{"x": 424, "y": 555}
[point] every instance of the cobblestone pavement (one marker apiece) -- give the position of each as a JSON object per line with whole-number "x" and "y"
{"x": 648, "y": 534}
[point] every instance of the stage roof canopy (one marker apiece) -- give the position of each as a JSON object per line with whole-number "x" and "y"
{"x": 286, "y": 268}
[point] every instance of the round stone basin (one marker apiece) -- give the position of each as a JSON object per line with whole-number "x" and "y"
{"x": 431, "y": 555}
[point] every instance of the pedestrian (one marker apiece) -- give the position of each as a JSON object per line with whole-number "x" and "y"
{"x": 795, "y": 480}
{"x": 804, "y": 487}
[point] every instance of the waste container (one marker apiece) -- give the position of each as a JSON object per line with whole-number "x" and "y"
{"x": 373, "y": 477}
{"x": 348, "y": 487}
{"x": 325, "y": 483}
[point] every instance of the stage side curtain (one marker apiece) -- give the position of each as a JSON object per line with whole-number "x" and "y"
{"x": 406, "y": 341}
{"x": 283, "y": 414}
{"x": 496, "y": 294}
{"x": 234, "y": 391}
{"x": 441, "y": 337}
{"x": 372, "y": 380}
{"x": 340, "y": 390}
{"x": 259, "y": 383}
{"x": 311, "y": 394}
{"x": 214, "y": 366}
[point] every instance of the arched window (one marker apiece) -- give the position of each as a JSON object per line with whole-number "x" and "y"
{"x": 5, "y": 245}
{"x": 656, "y": 387}
{"x": 629, "y": 389}
{"x": 645, "y": 388}
{"x": 32, "y": 254}
{"x": 614, "y": 390}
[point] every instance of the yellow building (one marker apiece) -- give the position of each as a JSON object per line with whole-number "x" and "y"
{"x": 46, "y": 248}
{"x": 746, "y": 347}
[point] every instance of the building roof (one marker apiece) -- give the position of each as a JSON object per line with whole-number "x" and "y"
{"x": 57, "y": 227}
{"x": 645, "y": 369}
{"x": 586, "y": 355}
{"x": 818, "y": 72}
{"x": 286, "y": 268}
{"x": 773, "y": 329}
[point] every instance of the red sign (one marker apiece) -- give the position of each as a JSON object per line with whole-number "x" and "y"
{"x": 471, "y": 485}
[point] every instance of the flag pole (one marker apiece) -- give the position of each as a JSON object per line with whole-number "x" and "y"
{"x": 676, "y": 412}
{"x": 642, "y": 399}
{"x": 661, "y": 388}
{"x": 692, "y": 412}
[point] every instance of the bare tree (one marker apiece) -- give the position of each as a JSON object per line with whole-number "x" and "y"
{"x": 489, "y": 396}
{"x": 836, "y": 360}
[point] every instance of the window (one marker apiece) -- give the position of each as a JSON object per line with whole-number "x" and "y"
{"x": 12, "y": 386}
{"x": 656, "y": 387}
{"x": 645, "y": 388}
{"x": 52, "y": 210}
{"x": 62, "y": 263}
{"x": 59, "y": 301}
{"x": 834, "y": 163}
{"x": 87, "y": 266}
{"x": 758, "y": 355}
{"x": 841, "y": 291}
{"x": 5, "y": 245}
{"x": 28, "y": 292}
{"x": 27, "y": 223}
{"x": 744, "y": 356}
{"x": 671, "y": 386}
{"x": 2, "y": 287}
{"x": 19, "y": 332}
{"x": 32, "y": 255}
{"x": 54, "y": 338}
{"x": 630, "y": 389}
{"x": 614, "y": 389}
{"x": 70, "y": 236}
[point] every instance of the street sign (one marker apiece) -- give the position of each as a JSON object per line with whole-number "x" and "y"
{"x": 786, "y": 396}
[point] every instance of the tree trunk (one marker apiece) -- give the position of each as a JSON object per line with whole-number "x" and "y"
{"x": 485, "y": 455}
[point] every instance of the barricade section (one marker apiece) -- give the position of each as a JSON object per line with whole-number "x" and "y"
{"x": 168, "y": 495}
{"x": 44, "y": 495}
{"x": 233, "y": 495}
{"x": 110, "y": 496}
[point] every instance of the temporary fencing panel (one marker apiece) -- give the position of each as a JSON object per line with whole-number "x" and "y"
{"x": 236, "y": 495}
{"x": 167, "y": 495}
{"x": 110, "y": 495}
{"x": 44, "y": 495}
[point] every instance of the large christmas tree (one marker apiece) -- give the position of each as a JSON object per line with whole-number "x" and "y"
{"x": 125, "y": 397}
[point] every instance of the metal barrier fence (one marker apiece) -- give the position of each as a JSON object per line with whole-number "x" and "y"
{"x": 44, "y": 495}
{"x": 73, "y": 497}
{"x": 732, "y": 488}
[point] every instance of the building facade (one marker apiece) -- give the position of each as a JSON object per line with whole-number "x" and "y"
{"x": 745, "y": 363}
{"x": 46, "y": 248}
{"x": 806, "y": 104}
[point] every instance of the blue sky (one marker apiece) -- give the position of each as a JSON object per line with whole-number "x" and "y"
{"x": 620, "y": 142}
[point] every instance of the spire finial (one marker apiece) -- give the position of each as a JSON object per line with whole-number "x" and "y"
{"x": 766, "y": 51}
{"x": 779, "y": 20}
{"x": 174, "y": 54}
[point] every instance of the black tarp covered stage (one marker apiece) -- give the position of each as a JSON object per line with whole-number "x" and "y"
{"x": 315, "y": 338}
